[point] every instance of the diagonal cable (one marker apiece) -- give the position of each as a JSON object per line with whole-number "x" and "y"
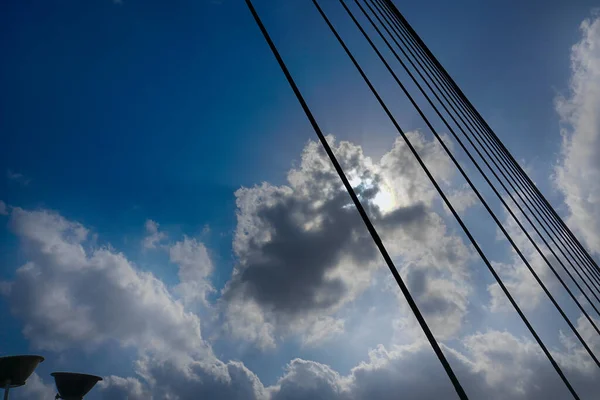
{"x": 539, "y": 251}
{"x": 449, "y": 205}
{"x": 476, "y": 137}
{"x": 473, "y": 111}
{"x": 375, "y": 236}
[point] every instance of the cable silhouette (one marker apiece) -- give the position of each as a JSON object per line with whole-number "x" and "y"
{"x": 416, "y": 46}
{"x": 373, "y": 232}
{"x": 464, "y": 101}
{"x": 575, "y": 331}
{"x": 463, "y": 173}
{"x": 547, "y": 226}
{"x": 531, "y": 240}
{"x": 562, "y": 252}
{"x": 448, "y": 203}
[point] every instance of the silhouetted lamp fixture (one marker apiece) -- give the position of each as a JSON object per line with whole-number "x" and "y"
{"x": 72, "y": 386}
{"x": 14, "y": 371}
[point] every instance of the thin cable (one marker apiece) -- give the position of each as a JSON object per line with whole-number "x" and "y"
{"x": 463, "y": 173}
{"x": 486, "y": 163}
{"x": 535, "y": 215}
{"x": 560, "y": 249}
{"x": 495, "y": 137}
{"x": 495, "y": 145}
{"x": 447, "y": 202}
{"x": 375, "y": 236}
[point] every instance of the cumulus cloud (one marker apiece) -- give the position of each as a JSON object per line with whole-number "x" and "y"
{"x": 462, "y": 199}
{"x": 443, "y": 301}
{"x": 323, "y": 329}
{"x": 68, "y": 294}
{"x": 304, "y": 252}
{"x": 493, "y": 365}
{"x": 196, "y": 379}
{"x": 309, "y": 379}
{"x": 517, "y": 277}
{"x": 35, "y": 389}
{"x": 201, "y": 379}
{"x": 578, "y": 170}
{"x": 153, "y": 235}
{"x": 195, "y": 267}
{"x": 72, "y": 295}
{"x": 115, "y": 387}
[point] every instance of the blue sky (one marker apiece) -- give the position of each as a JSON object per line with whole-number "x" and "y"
{"x": 142, "y": 121}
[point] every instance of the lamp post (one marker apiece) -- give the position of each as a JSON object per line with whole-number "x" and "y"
{"x": 14, "y": 371}
{"x": 73, "y": 386}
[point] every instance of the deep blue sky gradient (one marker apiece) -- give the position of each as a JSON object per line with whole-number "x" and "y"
{"x": 162, "y": 109}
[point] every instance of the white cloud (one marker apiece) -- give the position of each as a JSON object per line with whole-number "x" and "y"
{"x": 71, "y": 295}
{"x": 195, "y": 267}
{"x": 323, "y": 329}
{"x": 578, "y": 170}
{"x": 35, "y": 389}
{"x": 309, "y": 380}
{"x": 115, "y": 387}
{"x": 193, "y": 380}
{"x": 495, "y": 365}
{"x": 153, "y": 235}
{"x": 404, "y": 174}
{"x": 247, "y": 320}
{"x": 443, "y": 302}
{"x": 462, "y": 199}
{"x": 68, "y": 294}
{"x": 210, "y": 379}
{"x": 517, "y": 277}
{"x": 3, "y": 209}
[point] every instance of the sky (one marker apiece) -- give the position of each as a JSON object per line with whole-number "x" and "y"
{"x": 169, "y": 222}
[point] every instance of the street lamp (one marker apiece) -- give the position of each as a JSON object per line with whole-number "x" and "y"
{"x": 14, "y": 371}
{"x": 72, "y": 386}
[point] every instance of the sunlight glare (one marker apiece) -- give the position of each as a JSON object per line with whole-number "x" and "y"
{"x": 384, "y": 199}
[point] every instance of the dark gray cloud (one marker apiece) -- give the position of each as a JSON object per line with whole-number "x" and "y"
{"x": 303, "y": 249}
{"x": 289, "y": 273}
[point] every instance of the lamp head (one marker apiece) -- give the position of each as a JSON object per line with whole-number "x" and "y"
{"x": 72, "y": 386}
{"x": 14, "y": 370}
